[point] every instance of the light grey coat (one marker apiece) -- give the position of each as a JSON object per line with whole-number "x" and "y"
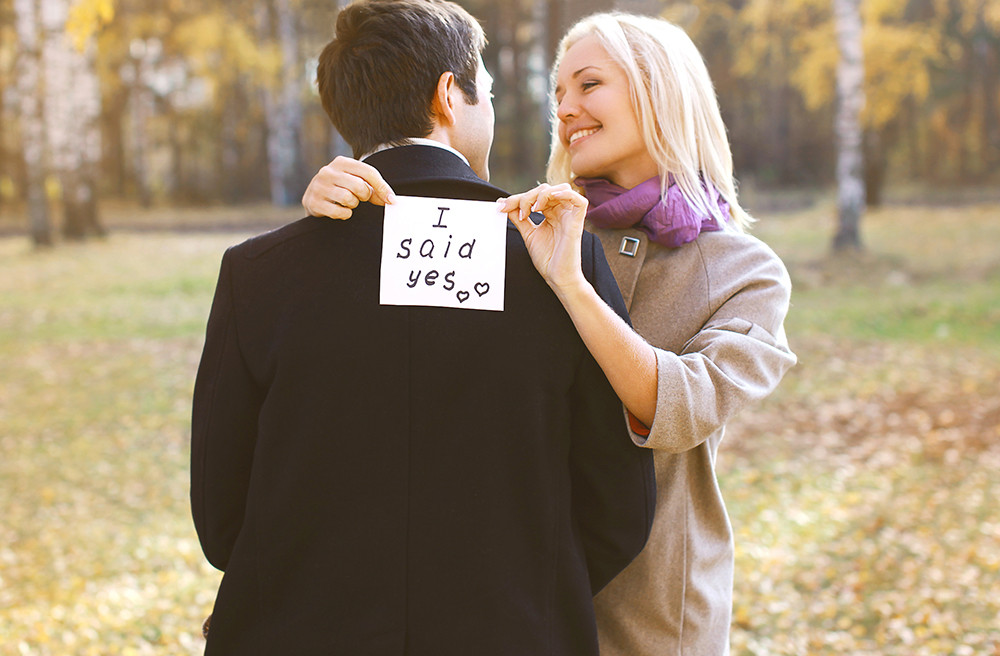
{"x": 714, "y": 311}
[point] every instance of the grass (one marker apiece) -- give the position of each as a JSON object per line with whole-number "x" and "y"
{"x": 863, "y": 492}
{"x": 99, "y": 347}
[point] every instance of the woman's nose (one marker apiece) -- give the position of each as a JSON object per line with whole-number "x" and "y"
{"x": 566, "y": 108}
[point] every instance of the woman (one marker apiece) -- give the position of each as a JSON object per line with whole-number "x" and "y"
{"x": 637, "y": 129}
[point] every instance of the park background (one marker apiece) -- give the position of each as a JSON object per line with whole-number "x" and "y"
{"x": 140, "y": 138}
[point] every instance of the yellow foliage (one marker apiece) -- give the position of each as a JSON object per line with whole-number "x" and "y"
{"x": 815, "y": 74}
{"x": 897, "y": 67}
{"x": 793, "y": 43}
{"x": 991, "y": 15}
{"x": 880, "y": 11}
{"x": 218, "y": 47}
{"x": 798, "y": 37}
{"x": 53, "y": 188}
{"x": 767, "y": 32}
{"x": 85, "y": 18}
{"x": 8, "y": 190}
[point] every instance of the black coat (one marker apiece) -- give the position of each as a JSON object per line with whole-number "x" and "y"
{"x": 384, "y": 480}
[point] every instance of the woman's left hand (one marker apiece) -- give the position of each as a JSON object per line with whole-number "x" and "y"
{"x": 554, "y": 244}
{"x": 627, "y": 359}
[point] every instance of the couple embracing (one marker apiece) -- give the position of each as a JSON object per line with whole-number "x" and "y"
{"x": 379, "y": 479}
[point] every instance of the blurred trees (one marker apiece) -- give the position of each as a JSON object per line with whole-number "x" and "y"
{"x": 931, "y": 76}
{"x": 212, "y": 101}
{"x": 60, "y": 102}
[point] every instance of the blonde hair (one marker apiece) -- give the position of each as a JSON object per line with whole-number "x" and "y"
{"x": 675, "y": 105}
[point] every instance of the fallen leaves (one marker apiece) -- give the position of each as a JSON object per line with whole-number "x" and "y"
{"x": 866, "y": 513}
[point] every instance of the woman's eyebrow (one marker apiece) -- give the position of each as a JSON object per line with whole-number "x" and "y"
{"x": 577, "y": 73}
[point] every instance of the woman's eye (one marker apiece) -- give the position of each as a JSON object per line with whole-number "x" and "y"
{"x": 586, "y": 86}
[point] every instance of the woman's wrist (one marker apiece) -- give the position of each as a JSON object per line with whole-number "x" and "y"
{"x": 575, "y": 292}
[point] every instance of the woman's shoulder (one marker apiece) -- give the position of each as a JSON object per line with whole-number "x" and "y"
{"x": 733, "y": 243}
{"x": 734, "y": 253}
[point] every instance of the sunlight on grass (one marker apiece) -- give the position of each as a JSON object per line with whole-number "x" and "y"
{"x": 99, "y": 348}
{"x": 863, "y": 493}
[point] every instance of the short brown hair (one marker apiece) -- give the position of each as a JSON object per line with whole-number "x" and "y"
{"x": 377, "y": 77}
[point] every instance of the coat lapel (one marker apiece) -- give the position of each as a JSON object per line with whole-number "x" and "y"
{"x": 625, "y": 251}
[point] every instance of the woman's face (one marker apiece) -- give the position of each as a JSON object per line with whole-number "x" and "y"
{"x": 597, "y": 124}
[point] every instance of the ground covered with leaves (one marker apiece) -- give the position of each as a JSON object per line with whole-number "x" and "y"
{"x": 863, "y": 493}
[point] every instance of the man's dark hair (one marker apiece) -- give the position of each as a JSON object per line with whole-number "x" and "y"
{"x": 379, "y": 74}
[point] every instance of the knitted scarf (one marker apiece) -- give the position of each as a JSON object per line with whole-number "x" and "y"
{"x": 669, "y": 220}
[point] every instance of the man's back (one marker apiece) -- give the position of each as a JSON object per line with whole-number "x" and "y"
{"x": 404, "y": 480}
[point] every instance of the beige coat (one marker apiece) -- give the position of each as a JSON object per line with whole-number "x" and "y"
{"x": 714, "y": 309}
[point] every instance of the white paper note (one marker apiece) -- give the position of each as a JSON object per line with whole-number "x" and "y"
{"x": 443, "y": 252}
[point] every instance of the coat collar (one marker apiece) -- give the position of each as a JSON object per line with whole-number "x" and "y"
{"x": 413, "y": 166}
{"x": 625, "y": 258}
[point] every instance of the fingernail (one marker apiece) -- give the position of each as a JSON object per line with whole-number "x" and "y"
{"x": 390, "y": 198}
{"x": 501, "y": 204}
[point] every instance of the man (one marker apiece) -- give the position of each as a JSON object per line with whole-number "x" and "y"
{"x": 381, "y": 480}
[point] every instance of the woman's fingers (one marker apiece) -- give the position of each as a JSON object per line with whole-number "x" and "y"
{"x": 519, "y": 206}
{"x": 560, "y": 199}
{"x": 341, "y": 185}
{"x": 330, "y": 210}
{"x": 362, "y": 179}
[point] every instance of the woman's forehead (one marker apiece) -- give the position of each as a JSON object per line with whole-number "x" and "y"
{"x": 586, "y": 53}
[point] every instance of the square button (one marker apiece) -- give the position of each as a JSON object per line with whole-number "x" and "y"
{"x": 630, "y": 246}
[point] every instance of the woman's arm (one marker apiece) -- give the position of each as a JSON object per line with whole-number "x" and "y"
{"x": 341, "y": 185}
{"x": 628, "y": 361}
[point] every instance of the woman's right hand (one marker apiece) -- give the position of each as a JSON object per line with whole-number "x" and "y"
{"x": 341, "y": 185}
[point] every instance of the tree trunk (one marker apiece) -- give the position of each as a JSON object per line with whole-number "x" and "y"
{"x": 4, "y": 156}
{"x": 875, "y": 164}
{"x": 986, "y": 52}
{"x": 139, "y": 109}
{"x": 850, "y": 100}
{"x": 525, "y": 155}
{"x": 555, "y": 26}
{"x": 283, "y": 107}
{"x": 30, "y": 87}
{"x": 73, "y": 108}
{"x": 113, "y": 136}
{"x": 335, "y": 142}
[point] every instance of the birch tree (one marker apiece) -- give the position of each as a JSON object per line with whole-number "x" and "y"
{"x": 847, "y": 125}
{"x": 72, "y": 113}
{"x": 30, "y": 91}
{"x": 283, "y": 105}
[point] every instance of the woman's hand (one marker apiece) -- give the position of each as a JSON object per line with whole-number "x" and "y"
{"x": 554, "y": 244}
{"x": 341, "y": 185}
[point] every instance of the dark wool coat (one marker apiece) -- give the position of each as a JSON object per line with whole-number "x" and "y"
{"x": 383, "y": 480}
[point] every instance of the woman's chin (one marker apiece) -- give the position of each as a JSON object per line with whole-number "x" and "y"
{"x": 584, "y": 169}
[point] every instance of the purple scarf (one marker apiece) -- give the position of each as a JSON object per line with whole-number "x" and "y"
{"x": 672, "y": 222}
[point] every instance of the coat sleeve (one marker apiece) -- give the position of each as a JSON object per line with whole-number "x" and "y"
{"x": 738, "y": 356}
{"x": 223, "y": 429}
{"x": 614, "y": 489}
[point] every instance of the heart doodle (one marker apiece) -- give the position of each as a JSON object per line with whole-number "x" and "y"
{"x": 462, "y": 295}
{"x": 482, "y": 288}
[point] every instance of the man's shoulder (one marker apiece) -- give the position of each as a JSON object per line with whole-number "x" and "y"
{"x": 261, "y": 244}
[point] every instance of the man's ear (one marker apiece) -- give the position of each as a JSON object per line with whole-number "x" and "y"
{"x": 443, "y": 103}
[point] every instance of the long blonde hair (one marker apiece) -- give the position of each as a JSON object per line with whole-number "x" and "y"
{"x": 674, "y": 102}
